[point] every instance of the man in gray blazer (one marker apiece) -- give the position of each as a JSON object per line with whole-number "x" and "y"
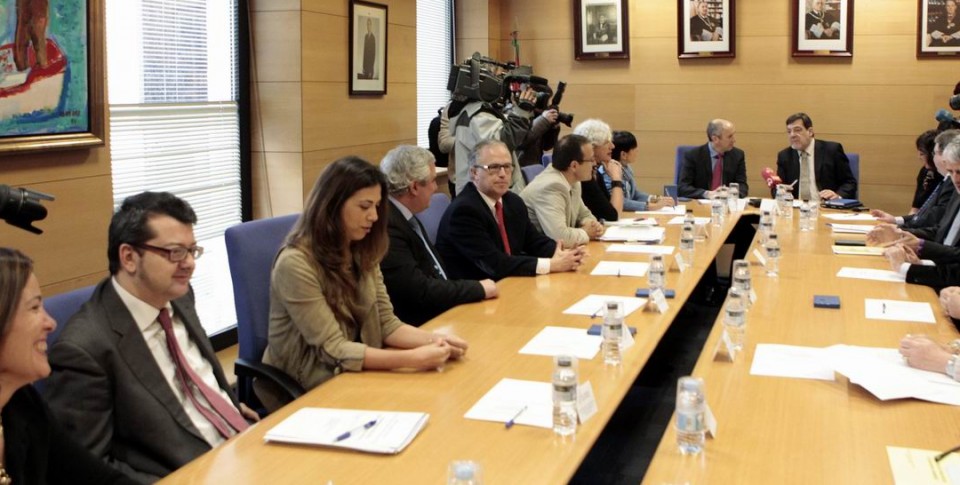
{"x": 554, "y": 202}
{"x": 135, "y": 379}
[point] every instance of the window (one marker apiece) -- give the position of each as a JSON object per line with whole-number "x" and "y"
{"x": 434, "y": 58}
{"x": 174, "y": 126}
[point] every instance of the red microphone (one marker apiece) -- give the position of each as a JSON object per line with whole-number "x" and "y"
{"x": 770, "y": 177}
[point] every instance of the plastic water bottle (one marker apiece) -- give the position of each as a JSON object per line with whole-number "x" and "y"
{"x": 733, "y": 190}
{"x": 723, "y": 195}
{"x": 564, "y": 395}
{"x": 773, "y": 255}
{"x": 687, "y": 244}
{"x": 786, "y": 210}
{"x": 716, "y": 212}
{"x": 815, "y": 208}
{"x": 464, "y": 472}
{"x": 655, "y": 273}
{"x": 612, "y": 332}
{"x": 741, "y": 279}
{"x": 766, "y": 226}
{"x": 735, "y": 317}
{"x": 688, "y": 217}
{"x": 806, "y": 223}
{"x": 691, "y": 421}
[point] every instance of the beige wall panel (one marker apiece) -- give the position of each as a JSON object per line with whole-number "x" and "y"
{"x": 402, "y": 12}
{"x": 283, "y": 194}
{"x": 493, "y": 22}
{"x": 401, "y": 56}
{"x": 74, "y": 241}
{"x": 537, "y": 20}
{"x": 33, "y": 168}
{"x": 324, "y": 47}
{"x": 278, "y": 115}
{"x": 277, "y": 45}
{"x": 275, "y": 5}
{"x": 467, "y": 46}
{"x": 614, "y": 104}
{"x": 472, "y": 15}
{"x": 331, "y": 7}
{"x": 72, "y": 284}
{"x": 333, "y": 119}
{"x": 315, "y": 161}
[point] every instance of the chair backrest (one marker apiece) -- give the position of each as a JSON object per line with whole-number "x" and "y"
{"x": 670, "y": 191}
{"x": 546, "y": 159}
{"x": 531, "y": 171}
{"x": 430, "y": 217}
{"x": 251, "y": 249}
{"x": 62, "y": 307}
{"x": 855, "y": 168}
{"x": 678, "y": 161}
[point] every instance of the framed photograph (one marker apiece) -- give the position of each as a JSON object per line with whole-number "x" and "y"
{"x": 51, "y": 74}
{"x": 822, "y": 28}
{"x": 601, "y": 29}
{"x": 368, "y": 48}
{"x": 705, "y": 28}
{"x": 938, "y": 28}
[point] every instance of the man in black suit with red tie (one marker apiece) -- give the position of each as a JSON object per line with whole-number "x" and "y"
{"x": 825, "y": 171}
{"x": 486, "y": 232}
{"x": 713, "y": 164}
{"x": 413, "y": 272}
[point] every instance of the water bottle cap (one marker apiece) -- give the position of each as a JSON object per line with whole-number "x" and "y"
{"x": 613, "y": 305}
{"x": 464, "y": 471}
{"x": 772, "y": 235}
{"x": 564, "y": 360}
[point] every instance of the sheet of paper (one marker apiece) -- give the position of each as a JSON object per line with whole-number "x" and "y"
{"x": 850, "y": 217}
{"x": 632, "y": 221}
{"x": 392, "y": 432}
{"x": 696, "y": 220}
{"x": 634, "y": 233}
{"x": 677, "y": 209}
{"x": 640, "y": 249}
{"x": 555, "y": 341}
{"x": 913, "y": 466}
{"x": 871, "y": 274}
{"x": 507, "y": 397}
{"x": 768, "y": 205}
{"x": 593, "y": 305}
{"x": 858, "y": 250}
{"x": 884, "y": 374}
{"x": 850, "y": 228}
{"x": 777, "y": 360}
{"x": 897, "y": 310}
{"x": 620, "y": 268}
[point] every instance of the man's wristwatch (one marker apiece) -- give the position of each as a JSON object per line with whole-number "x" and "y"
{"x": 951, "y": 369}
{"x": 616, "y": 183}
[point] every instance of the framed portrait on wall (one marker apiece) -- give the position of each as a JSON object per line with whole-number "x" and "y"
{"x": 601, "y": 29}
{"x": 51, "y": 74}
{"x": 822, "y": 28}
{"x": 368, "y": 48}
{"x": 938, "y": 28}
{"x": 705, "y": 28}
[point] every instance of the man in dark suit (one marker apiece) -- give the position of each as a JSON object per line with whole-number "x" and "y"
{"x": 825, "y": 171}
{"x": 486, "y": 232}
{"x": 135, "y": 379}
{"x": 412, "y": 270}
{"x": 713, "y": 164}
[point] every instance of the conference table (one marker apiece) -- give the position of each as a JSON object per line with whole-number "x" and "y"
{"x": 769, "y": 428}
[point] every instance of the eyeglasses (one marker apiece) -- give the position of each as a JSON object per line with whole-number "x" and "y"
{"x": 176, "y": 254}
{"x": 497, "y": 167}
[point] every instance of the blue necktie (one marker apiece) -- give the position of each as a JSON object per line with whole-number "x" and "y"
{"x": 417, "y": 228}
{"x": 930, "y": 200}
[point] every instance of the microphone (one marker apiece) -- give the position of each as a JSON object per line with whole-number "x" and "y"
{"x": 944, "y": 116}
{"x": 770, "y": 177}
{"x": 21, "y": 207}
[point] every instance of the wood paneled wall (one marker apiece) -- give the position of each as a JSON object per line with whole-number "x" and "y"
{"x": 875, "y": 103}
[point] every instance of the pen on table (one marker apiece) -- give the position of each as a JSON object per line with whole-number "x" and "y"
{"x": 597, "y": 313}
{"x": 364, "y": 426}
{"x": 883, "y": 308}
{"x": 618, "y": 272}
{"x": 509, "y": 424}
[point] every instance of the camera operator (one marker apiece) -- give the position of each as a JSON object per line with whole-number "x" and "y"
{"x": 479, "y": 121}
{"x": 542, "y": 136}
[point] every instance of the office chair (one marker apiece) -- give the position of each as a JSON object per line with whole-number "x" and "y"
{"x": 678, "y": 161}
{"x": 61, "y": 308}
{"x": 251, "y": 249}
{"x": 430, "y": 217}
{"x": 531, "y": 171}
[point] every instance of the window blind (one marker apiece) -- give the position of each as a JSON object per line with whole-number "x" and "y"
{"x": 434, "y": 58}
{"x": 174, "y": 123}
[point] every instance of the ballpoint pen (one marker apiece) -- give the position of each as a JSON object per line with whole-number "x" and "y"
{"x": 597, "y": 313}
{"x": 364, "y": 426}
{"x": 883, "y": 308}
{"x": 509, "y": 424}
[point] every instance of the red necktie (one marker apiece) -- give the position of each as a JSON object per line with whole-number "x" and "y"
{"x": 223, "y": 412}
{"x": 717, "y": 172}
{"x": 503, "y": 229}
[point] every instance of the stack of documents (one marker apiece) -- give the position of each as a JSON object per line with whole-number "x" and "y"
{"x": 620, "y": 268}
{"x": 858, "y": 250}
{"x": 632, "y": 221}
{"x": 871, "y": 274}
{"x": 850, "y": 228}
{"x": 696, "y": 220}
{"x": 525, "y": 402}
{"x": 646, "y": 234}
{"x": 850, "y": 217}
{"x": 677, "y": 209}
{"x": 640, "y": 249}
{"x": 389, "y": 433}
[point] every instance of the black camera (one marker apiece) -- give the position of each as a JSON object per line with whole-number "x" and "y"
{"x": 474, "y": 81}
{"x": 21, "y": 207}
{"x": 955, "y": 102}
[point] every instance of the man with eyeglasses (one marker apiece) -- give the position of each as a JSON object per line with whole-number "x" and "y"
{"x": 820, "y": 168}
{"x": 486, "y": 232}
{"x": 553, "y": 198}
{"x": 135, "y": 379}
